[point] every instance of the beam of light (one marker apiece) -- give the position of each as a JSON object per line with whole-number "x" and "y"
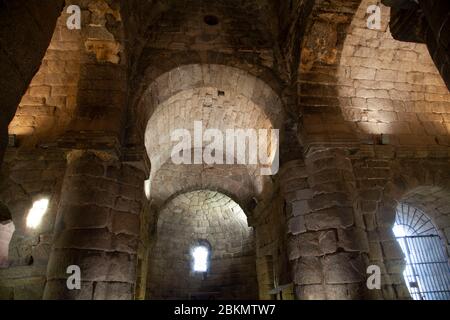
{"x": 200, "y": 255}
{"x": 36, "y": 213}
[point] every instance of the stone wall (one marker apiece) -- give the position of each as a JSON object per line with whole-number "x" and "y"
{"x": 365, "y": 126}
{"x": 24, "y": 45}
{"x": 48, "y": 104}
{"x": 80, "y": 73}
{"x": 210, "y": 216}
{"x": 363, "y": 83}
{"x": 272, "y": 265}
{"x": 387, "y": 177}
{"x": 390, "y": 87}
{"x": 28, "y": 176}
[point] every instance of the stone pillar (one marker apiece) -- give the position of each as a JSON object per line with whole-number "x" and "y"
{"x": 97, "y": 228}
{"x": 327, "y": 243}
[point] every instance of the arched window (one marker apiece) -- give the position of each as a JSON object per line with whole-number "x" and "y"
{"x": 427, "y": 272}
{"x": 201, "y": 256}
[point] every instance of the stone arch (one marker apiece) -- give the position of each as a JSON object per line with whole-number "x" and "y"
{"x": 216, "y": 106}
{"x": 423, "y": 184}
{"x": 410, "y": 178}
{"x": 410, "y": 182}
{"x": 174, "y": 180}
{"x": 223, "y": 77}
{"x": 216, "y": 218}
{"x": 206, "y": 93}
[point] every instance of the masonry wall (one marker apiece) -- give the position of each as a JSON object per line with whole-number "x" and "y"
{"x": 272, "y": 265}
{"x": 368, "y": 128}
{"x": 206, "y": 216}
{"x": 24, "y": 45}
{"x": 28, "y": 176}
{"x": 390, "y": 87}
{"x": 50, "y": 101}
{"x": 384, "y": 180}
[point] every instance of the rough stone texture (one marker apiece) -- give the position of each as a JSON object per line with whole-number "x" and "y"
{"x": 188, "y": 219}
{"x": 272, "y": 264}
{"x": 24, "y": 37}
{"x": 364, "y": 127}
{"x": 79, "y": 76}
{"x": 429, "y": 22}
{"x": 328, "y": 247}
{"x": 95, "y": 193}
{"x": 384, "y": 181}
{"x": 390, "y": 87}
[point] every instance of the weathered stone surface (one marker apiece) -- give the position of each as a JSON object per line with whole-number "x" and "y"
{"x": 113, "y": 291}
{"x": 308, "y": 270}
{"x": 57, "y": 289}
{"x": 297, "y": 225}
{"x": 343, "y": 268}
{"x": 364, "y": 126}
{"x": 311, "y": 292}
{"x": 345, "y": 291}
{"x": 189, "y": 220}
{"x": 353, "y": 239}
{"x": 312, "y": 244}
{"x": 329, "y": 218}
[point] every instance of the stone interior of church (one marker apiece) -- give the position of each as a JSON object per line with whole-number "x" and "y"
{"x": 357, "y": 90}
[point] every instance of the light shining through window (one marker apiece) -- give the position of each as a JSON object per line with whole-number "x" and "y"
{"x": 200, "y": 255}
{"x": 427, "y": 272}
{"x": 399, "y": 231}
{"x": 36, "y": 213}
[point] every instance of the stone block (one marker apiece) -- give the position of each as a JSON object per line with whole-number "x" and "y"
{"x": 353, "y": 239}
{"x": 392, "y": 250}
{"x": 330, "y": 218}
{"x": 311, "y": 292}
{"x": 84, "y": 216}
{"x": 328, "y": 200}
{"x": 328, "y": 242}
{"x": 113, "y": 291}
{"x": 308, "y": 270}
{"x": 125, "y": 223}
{"x": 354, "y": 291}
{"x": 57, "y": 290}
{"x": 343, "y": 268}
{"x": 297, "y": 225}
{"x": 304, "y": 245}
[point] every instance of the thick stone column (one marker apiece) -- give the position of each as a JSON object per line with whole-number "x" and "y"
{"x": 327, "y": 243}
{"x": 97, "y": 228}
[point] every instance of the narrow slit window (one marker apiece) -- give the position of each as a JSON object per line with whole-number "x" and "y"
{"x": 200, "y": 256}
